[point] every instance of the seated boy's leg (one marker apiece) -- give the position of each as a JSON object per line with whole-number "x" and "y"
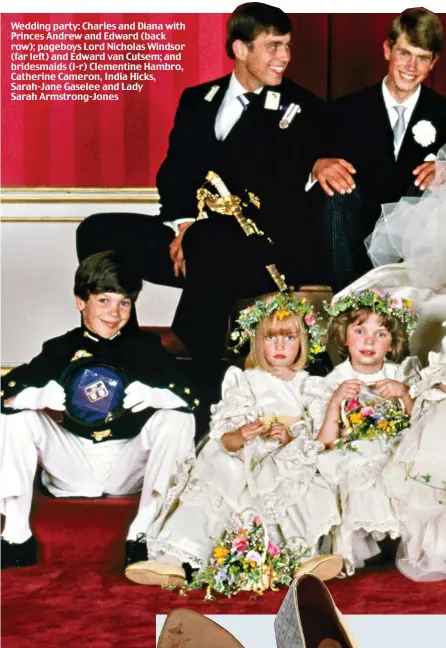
{"x": 184, "y": 541}
{"x": 28, "y": 437}
{"x": 170, "y": 437}
{"x": 154, "y": 460}
{"x": 183, "y": 545}
{"x": 18, "y": 463}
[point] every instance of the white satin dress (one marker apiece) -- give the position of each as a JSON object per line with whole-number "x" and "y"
{"x": 279, "y": 484}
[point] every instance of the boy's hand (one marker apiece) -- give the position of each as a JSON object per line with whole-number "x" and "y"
{"x": 140, "y": 396}
{"x": 52, "y": 396}
{"x": 347, "y": 390}
{"x": 252, "y": 430}
{"x": 391, "y": 389}
{"x": 280, "y": 432}
{"x": 442, "y": 386}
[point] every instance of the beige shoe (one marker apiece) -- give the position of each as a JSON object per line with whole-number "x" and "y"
{"x": 188, "y": 628}
{"x": 308, "y": 618}
{"x": 324, "y": 567}
{"x": 155, "y": 572}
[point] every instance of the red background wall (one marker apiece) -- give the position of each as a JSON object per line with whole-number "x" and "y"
{"x": 121, "y": 143}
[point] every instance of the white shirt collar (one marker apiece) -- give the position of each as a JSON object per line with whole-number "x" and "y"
{"x": 390, "y": 101}
{"x": 235, "y": 88}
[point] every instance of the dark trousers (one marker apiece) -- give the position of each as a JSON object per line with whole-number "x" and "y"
{"x": 222, "y": 265}
{"x": 344, "y": 231}
{"x": 348, "y": 220}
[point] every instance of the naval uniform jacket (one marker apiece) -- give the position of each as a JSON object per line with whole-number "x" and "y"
{"x": 256, "y": 156}
{"x": 139, "y": 354}
{"x": 361, "y": 134}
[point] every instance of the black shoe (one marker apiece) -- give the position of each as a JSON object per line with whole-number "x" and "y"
{"x": 135, "y": 550}
{"x": 189, "y": 571}
{"x": 22, "y": 554}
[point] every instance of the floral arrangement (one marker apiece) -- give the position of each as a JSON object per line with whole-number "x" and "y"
{"x": 246, "y": 559}
{"x": 283, "y": 304}
{"x": 378, "y": 301}
{"x": 373, "y": 419}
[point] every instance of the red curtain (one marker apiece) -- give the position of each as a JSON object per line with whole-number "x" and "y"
{"x": 121, "y": 143}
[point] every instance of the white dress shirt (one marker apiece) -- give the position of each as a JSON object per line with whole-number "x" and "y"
{"x": 231, "y": 108}
{"x": 390, "y": 102}
{"x": 409, "y": 105}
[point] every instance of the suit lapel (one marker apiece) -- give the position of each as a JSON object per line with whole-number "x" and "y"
{"x": 382, "y": 130}
{"x": 207, "y": 112}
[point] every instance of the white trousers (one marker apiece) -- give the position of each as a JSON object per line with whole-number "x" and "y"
{"x": 77, "y": 467}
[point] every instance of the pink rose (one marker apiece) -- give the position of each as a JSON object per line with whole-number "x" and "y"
{"x": 254, "y": 556}
{"x": 397, "y": 302}
{"x": 257, "y": 521}
{"x": 367, "y": 411}
{"x": 352, "y": 404}
{"x": 240, "y": 543}
{"x": 309, "y": 319}
{"x": 268, "y": 300}
{"x": 273, "y": 549}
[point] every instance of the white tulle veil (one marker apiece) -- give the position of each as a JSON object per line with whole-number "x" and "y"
{"x": 414, "y": 230}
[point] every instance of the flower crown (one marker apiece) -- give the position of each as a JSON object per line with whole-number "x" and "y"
{"x": 283, "y": 304}
{"x": 378, "y": 301}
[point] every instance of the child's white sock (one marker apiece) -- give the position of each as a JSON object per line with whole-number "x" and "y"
{"x": 144, "y": 518}
{"x": 17, "y": 528}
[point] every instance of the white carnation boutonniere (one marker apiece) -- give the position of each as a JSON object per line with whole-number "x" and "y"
{"x": 424, "y": 132}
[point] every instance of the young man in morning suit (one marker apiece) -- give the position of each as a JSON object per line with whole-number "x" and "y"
{"x": 256, "y": 146}
{"x": 375, "y": 156}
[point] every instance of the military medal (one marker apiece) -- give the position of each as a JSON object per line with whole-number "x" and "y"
{"x": 289, "y": 115}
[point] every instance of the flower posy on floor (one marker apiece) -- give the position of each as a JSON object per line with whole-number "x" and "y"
{"x": 246, "y": 559}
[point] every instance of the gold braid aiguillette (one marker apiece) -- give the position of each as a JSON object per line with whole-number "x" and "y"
{"x": 229, "y": 205}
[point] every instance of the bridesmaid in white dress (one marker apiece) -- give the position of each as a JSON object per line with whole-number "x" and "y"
{"x": 261, "y": 455}
{"x": 416, "y": 478}
{"x": 372, "y": 329}
{"x": 415, "y": 230}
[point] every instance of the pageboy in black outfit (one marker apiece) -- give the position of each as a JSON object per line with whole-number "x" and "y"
{"x": 144, "y": 443}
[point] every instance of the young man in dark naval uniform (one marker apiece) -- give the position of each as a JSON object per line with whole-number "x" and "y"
{"x": 143, "y": 449}
{"x": 261, "y": 133}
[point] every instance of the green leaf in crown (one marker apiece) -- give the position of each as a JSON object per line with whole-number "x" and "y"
{"x": 378, "y": 301}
